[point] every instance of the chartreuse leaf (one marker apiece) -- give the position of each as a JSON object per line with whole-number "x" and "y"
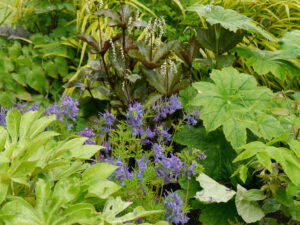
{"x": 264, "y": 62}
{"x": 39, "y": 125}
{"x": 235, "y": 102}
{"x": 85, "y": 151}
{"x": 228, "y": 19}
{"x": 249, "y": 210}
{"x": 95, "y": 178}
{"x": 212, "y": 190}
{"x": 13, "y": 123}
{"x": 99, "y": 170}
{"x": 290, "y": 44}
{"x": 114, "y": 206}
{"x": 26, "y": 122}
{"x": 19, "y": 211}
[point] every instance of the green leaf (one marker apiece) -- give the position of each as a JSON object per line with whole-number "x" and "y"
{"x": 18, "y": 211}
{"x": 271, "y": 205}
{"x": 295, "y": 146}
{"x": 98, "y": 171}
{"x": 81, "y": 213}
{"x": 26, "y": 122}
{"x": 227, "y": 39}
{"x": 212, "y": 190}
{"x": 220, "y": 154}
{"x": 235, "y": 102}
{"x": 85, "y": 151}
{"x": 101, "y": 188}
{"x": 219, "y": 214}
{"x": 254, "y": 195}
{"x": 39, "y": 125}
{"x": 114, "y": 206}
{"x": 13, "y": 123}
{"x": 3, "y": 192}
{"x": 250, "y": 211}
{"x": 228, "y": 19}
{"x": 264, "y": 62}
{"x": 37, "y": 80}
{"x": 290, "y": 44}
{"x": 265, "y": 160}
{"x": 155, "y": 80}
{"x": 185, "y": 97}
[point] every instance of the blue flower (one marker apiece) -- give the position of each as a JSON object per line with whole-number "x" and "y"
{"x": 174, "y": 209}
{"x": 89, "y": 134}
{"x": 167, "y": 168}
{"x": 3, "y": 112}
{"x": 67, "y": 108}
{"x": 122, "y": 172}
{"x": 134, "y": 117}
{"x": 166, "y": 107}
{"x": 109, "y": 119}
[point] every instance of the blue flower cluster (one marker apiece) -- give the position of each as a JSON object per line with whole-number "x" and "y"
{"x": 174, "y": 209}
{"x": 122, "y": 172}
{"x": 192, "y": 117}
{"x": 3, "y": 112}
{"x": 67, "y": 108}
{"x": 134, "y": 117}
{"x": 109, "y": 119}
{"x": 166, "y": 107}
{"x": 169, "y": 168}
{"x": 87, "y": 132}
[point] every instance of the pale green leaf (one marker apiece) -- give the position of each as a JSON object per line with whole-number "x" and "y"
{"x": 39, "y": 125}
{"x": 13, "y": 123}
{"x": 99, "y": 170}
{"x": 212, "y": 190}
{"x": 250, "y": 211}
{"x": 85, "y": 151}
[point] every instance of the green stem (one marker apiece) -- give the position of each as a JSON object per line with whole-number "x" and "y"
{"x": 187, "y": 192}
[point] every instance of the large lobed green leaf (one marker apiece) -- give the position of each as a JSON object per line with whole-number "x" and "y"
{"x": 235, "y": 102}
{"x": 228, "y": 19}
{"x": 290, "y": 44}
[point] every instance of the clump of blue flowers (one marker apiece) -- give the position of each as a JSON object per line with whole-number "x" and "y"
{"x": 108, "y": 119}
{"x": 174, "y": 209}
{"x": 166, "y": 107}
{"x": 66, "y": 108}
{"x": 134, "y": 117}
{"x": 89, "y": 133}
{"x": 122, "y": 172}
{"x": 3, "y": 112}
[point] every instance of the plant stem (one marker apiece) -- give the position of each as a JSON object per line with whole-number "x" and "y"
{"x": 151, "y": 48}
{"x": 187, "y": 192}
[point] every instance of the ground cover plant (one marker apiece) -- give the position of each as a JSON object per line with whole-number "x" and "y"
{"x": 149, "y": 112}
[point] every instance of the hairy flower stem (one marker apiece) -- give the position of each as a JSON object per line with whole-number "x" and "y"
{"x": 187, "y": 192}
{"x": 100, "y": 35}
{"x": 151, "y": 47}
{"x": 167, "y": 83}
